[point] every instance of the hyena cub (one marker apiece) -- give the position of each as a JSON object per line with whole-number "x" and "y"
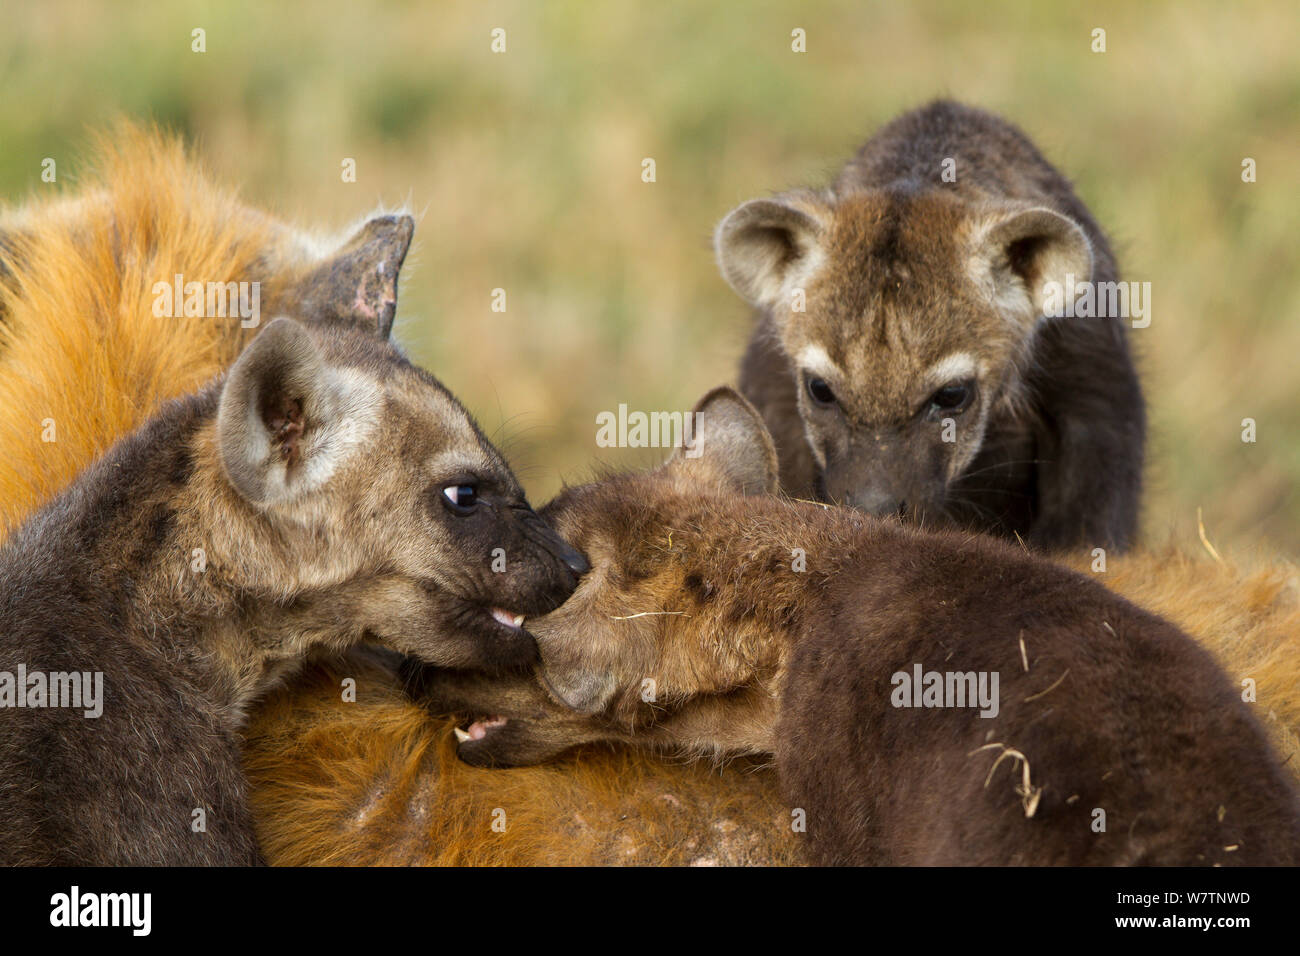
{"x": 324, "y": 492}
{"x": 929, "y": 697}
{"x": 901, "y": 358}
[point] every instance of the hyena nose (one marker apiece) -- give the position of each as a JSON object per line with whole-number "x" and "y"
{"x": 555, "y": 546}
{"x": 877, "y": 503}
{"x": 573, "y": 559}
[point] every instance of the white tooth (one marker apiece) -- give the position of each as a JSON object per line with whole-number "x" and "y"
{"x": 461, "y": 735}
{"x": 506, "y": 618}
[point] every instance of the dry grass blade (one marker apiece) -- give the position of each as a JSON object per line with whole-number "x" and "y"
{"x": 628, "y": 617}
{"x": 1055, "y": 684}
{"x": 1200, "y": 530}
{"x": 1029, "y": 794}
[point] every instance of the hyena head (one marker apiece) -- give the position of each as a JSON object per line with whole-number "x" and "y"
{"x": 907, "y": 317}
{"x": 356, "y": 464}
{"x": 639, "y": 653}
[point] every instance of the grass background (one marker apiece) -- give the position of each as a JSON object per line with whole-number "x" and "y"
{"x": 526, "y": 167}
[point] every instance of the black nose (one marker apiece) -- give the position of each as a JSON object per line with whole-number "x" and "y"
{"x": 573, "y": 559}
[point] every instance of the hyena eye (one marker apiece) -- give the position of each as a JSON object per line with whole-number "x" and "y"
{"x": 821, "y": 392}
{"x": 461, "y": 499}
{"x": 952, "y": 398}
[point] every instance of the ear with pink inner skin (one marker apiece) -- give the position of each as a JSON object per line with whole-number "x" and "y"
{"x": 358, "y": 283}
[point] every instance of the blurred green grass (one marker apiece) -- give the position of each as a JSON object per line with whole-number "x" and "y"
{"x": 526, "y": 166}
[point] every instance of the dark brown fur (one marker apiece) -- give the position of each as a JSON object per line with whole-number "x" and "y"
{"x": 1103, "y": 706}
{"x": 312, "y": 478}
{"x": 902, "y": 270}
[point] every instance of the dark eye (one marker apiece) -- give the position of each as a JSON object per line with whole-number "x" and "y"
{"x": 821, "y": 392}
{"x": 461, "y": 499}
{"x": 952, "y": 398}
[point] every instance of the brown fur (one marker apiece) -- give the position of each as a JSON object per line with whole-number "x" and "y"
{"x": 314, "y": 761}
{"x": 323, "y": 492}
{"x": 692, "y": 591}
{"x": 913, "y": 284}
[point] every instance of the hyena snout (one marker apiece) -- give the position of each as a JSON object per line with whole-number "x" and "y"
{"x": 555, "y": 567}
{"x": 507, "y": 720}
{"x": 874, "y": 500}
{"x": 887, "y": 485}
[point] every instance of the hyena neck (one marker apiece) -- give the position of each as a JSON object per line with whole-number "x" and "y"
{"x": 752, "y": 577}
{"x": 766, "y": 552}
{"x": 147, "y": 543}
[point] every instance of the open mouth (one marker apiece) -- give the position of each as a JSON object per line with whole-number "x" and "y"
{"x": 480, "y": 728}
{"x": 503, "y": 617}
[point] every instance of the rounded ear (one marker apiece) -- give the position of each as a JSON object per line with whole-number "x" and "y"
{"x": 358, "y": 283}
{"x": 579, "y": 688}
{"x": 767, "y": 248}
{"x": 730, "y": 440}
{"x": 274, "y": 393}
{"x": 1030, "y": 256}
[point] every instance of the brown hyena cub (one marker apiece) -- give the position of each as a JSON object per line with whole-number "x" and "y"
{"x": 325, "y": 492}
{"x": 929, "y": 697}
{"x": 902, "y": 360}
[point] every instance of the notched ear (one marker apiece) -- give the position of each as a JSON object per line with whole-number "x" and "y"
{"x": 730, "y": 441}
{"x": 275, "y": 392}
{"x": 1023, "y": 252}
{"x": 358, "y": 284}
{"x": 767, "y": 248}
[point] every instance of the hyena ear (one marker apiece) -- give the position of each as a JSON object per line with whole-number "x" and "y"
{"x": 579, "y": 688}
{"x": 275, "y": 408}
{"x": 1022, "y": 252}
{"x": 358, "y": 283}
{"x": 730, "y": 441}
{"x": 767, "y": 248}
